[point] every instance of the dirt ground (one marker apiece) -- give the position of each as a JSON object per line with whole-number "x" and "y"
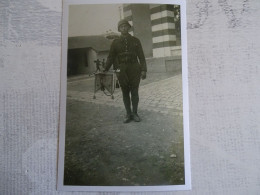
{"x": 100, "y": 150}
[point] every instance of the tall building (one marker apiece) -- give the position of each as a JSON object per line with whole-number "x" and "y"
{"x": 158, "y": 28}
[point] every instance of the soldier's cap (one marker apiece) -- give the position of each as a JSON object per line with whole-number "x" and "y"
{"x": 123, "y": 21}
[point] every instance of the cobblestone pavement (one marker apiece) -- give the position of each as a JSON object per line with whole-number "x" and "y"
{"x": 164, "y": 96}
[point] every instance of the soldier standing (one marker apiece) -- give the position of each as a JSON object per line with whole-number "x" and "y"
{"x": 127, "y": 53}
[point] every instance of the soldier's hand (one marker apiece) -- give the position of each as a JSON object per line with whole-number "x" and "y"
{"x": 143, "y": 75}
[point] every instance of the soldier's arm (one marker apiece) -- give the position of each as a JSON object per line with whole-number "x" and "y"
{"x": 141, "y": 56}
{"x": 111, "y": 56}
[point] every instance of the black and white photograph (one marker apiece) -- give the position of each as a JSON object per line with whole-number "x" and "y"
{"x": 129, "y": 97}
{"x": 124, "y": 121}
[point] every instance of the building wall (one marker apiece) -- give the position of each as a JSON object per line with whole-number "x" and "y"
{"x": 142, "y": 27}
{"x": 154, "y": 25}
{"x": 163, "y": 29}
{"x": 164, "y": 64}
{"x": 92, "y": 56}
{"x": 81, "y": 61}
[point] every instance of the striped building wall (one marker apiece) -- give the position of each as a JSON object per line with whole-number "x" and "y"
{"x": 161, "y": 26}
{"x": 163, "y": 29}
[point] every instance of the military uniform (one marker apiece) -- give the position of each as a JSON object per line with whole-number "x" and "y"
{"x": 127, "y": 55}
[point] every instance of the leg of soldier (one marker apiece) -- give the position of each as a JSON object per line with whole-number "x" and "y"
{"x": 123, "y": 81}
{"x": 126, "y": 99}
{"x": 127, "y": 103}
{"x": 134, "y": 98}
{"x": 134, "y": 81}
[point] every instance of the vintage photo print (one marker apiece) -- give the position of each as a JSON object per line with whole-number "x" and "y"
{"x": 124, "y": 120}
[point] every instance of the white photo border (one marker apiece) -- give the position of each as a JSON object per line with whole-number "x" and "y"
{"x": 63, "y": 88}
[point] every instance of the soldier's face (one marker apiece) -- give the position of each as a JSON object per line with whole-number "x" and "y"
{"x": 124, "y": 28}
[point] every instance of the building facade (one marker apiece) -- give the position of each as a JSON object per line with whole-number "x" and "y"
{"x": 83, "y": 51}
{"x": 158, "y": 28}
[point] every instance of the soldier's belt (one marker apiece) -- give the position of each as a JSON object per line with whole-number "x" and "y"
{"x": 127, "y": 57}
{"x": 122, "y": 61}
{"x": 126, "y": 53}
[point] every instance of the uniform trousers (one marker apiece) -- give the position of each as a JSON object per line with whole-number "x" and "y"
{"x": 129, "y": 80}
{"x": 127, "y": 100}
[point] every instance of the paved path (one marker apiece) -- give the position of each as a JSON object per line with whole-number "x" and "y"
{"x": 164, "y": 96}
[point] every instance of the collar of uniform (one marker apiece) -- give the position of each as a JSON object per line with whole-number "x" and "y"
{"x": 125, "y": 36}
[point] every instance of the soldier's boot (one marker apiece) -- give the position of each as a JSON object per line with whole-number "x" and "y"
{"x": 127, "y": 118}
{"x": 135, "y": 117}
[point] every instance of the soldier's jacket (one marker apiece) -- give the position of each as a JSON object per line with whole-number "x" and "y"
{"x": 126, "y": 54}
